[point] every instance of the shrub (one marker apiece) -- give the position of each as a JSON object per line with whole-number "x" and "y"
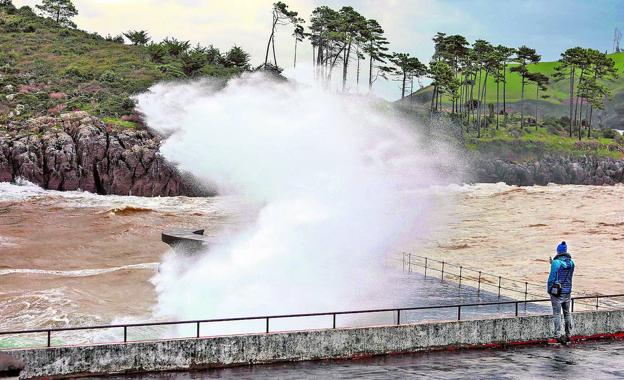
{"x": 193, "y": 61}
{"x": 175, "y": 47}
{"x": 172, "y": 71}
{"x": 73, "y": 71}
{"x": 116, "y": 105}
{"x": 157, "y": 52}
{"x": 30, "y": 28}
{"x": 13, "y": 26}
{"x": 117, "y": 39}
{"x": 609, "y": 133}
{"x": 109, "y": 76}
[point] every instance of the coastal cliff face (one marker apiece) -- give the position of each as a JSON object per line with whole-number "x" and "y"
{"x": 582, "y": 170}
{"x": 78, "y": 151}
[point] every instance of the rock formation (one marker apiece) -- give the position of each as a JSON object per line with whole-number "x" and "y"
{"x": 581, "y": 170}
{"x": 78, "y": 151}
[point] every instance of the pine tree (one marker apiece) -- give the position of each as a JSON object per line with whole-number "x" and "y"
{"x": 137, "y": 37}
{"x": 237, "y": 57}
{"x": 60, "y": 11}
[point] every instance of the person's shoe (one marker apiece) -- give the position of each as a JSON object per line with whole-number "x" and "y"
{"x": 567, "y": 339}
{"x": 561, "y": 339}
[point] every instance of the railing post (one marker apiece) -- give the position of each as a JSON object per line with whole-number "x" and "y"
{"x": 267, "y": 325}
{"x": 442, "y": 278}
{"x": 426, "y": 267}
{"x": 125, "y": 334}
{"x": 526, "y": 290}
{"x": 403, "y": 261}
{"x": 459, "y": 312}
{"x": 334, "y": 321}
{"x": 573, "y": 305}
{"x": 198, "y": 329}
{"x": 516, "y": 308}
{"x": 409, "y": 263}
{"x": 49, "y": 338}
{"x": 398, "y": 317}
{"x": 479, "y": 287}
{"x": 596, "y": 303}
{"x": 460, "y": 275}
{"x": 499, "y": 286}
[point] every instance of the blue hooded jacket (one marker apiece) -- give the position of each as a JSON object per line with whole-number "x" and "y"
{"x": 562, "y": 270}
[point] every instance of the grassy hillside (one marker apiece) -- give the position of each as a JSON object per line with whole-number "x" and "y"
{"x": 47, "y": 69}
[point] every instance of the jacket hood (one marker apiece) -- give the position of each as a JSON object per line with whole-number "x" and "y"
{"x": 562, "y": 255}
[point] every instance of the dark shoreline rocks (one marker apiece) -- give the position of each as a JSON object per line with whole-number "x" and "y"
{"x": 571, "y": 170}
{"x": 78, "y": 151}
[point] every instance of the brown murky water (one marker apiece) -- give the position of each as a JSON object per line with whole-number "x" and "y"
{"x": 513, "y": 231}
{"x": 76, "y": 258}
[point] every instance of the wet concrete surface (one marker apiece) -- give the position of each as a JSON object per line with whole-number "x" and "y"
{"x": 593, "y": 360}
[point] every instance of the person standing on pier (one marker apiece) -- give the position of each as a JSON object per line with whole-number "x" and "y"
{"x": 560, "y": 288}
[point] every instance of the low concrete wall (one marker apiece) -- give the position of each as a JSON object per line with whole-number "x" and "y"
{"x": 196, "y": 353}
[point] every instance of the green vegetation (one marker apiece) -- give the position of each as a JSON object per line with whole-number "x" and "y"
{"x": 504, "y": 101}
{"x": 120, "y": 123}
{"x": 48, "y": 67}
{"x": 531, "y": 143}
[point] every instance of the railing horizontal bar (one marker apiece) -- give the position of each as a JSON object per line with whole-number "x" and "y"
{"x": 264, "y": 317}
{"x": 475, "y": 271}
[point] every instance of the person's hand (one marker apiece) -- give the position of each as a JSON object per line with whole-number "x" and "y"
{"x": 550, "y": 260}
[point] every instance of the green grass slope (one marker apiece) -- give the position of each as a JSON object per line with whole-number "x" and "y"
{"x": 47, "y": 69}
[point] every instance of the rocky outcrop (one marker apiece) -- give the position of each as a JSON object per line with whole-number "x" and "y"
{"x": 78, "y": 151}
{"x": 583, "y": 170}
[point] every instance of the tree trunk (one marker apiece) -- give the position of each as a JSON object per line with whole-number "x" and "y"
{"x": 505, "y": 95}
{"x": 347, "y": 54}
{"x": 589, "y": 125}
{"x": 357, "y": 80}
{"x": 580, "y": 125}
{"x": 484, "y": 99}
{"x": 403, "y": 85}
{"x": 471, "y": 103}
{"x": 273, "y": 47}
{"x": 266, "y": 57}
{"x": 522, "y": 105}
{"x": 571, "y": 97}
{"x": 577, "y": 96}
{"x": 370, "y": 70}
{"x": 479, "y": 96}
{"x": 481, "y": 110}
{"x": 536, "y": 102}
{"x": 497, "y": 98}
{"x": 433, "y": 96}
{"x": 295, "y": 61}
{"x": 461, "y": 99}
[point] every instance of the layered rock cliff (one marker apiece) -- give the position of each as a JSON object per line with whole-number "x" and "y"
{"x": 575, "y": 170}
{"x": 78, "y": 151}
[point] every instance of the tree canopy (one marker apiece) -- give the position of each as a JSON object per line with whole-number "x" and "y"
{"x": 60, "y": 11}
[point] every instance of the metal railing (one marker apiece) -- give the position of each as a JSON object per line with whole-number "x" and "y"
{"x": 481, "y": 278}
{"x": 269, "y": 318}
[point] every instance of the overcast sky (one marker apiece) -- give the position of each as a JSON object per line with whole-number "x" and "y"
{"x": 550, "y": 26}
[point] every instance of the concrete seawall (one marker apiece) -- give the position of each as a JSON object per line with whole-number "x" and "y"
{"x": 198, "y": 353}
